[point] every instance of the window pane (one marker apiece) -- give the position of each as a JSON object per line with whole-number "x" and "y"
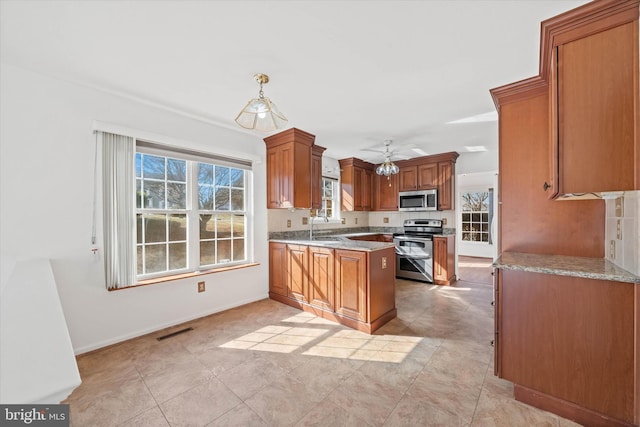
{"x": 237, "y": 200}
{"x": 176, "y": 170}
{"x": 237, "y": 178}
{"x": 223, "y": 225}
{"x": 139, "y": 250}
{"x": 155, "y": 228}
{"x": 154, "y": 194}
{"x": 224, "y": 251}
{"x": 485, "y": 217}
{"x": 222, "y": 198}
{"x": 139, "y": 228}
{"x": 176, "y": 196}
{"x": 139, "y": 195}
{"x": 155, "y": 259}
{"x": 485, "y": 237}
{"x": 475, "y": 217}
{"x": 177, "y": 256}
{"x": 177, "y": 227}
{"x": 153, "y": 166}
{"x": 138, "y": 165}
{"x": 207, "y": 253}
{"x": 466, "y": 217}
{"x": 207, "y": 227}
{"x": 238, "y": 250}
{"x": 238, "y": 226}
{"x": 205, "y": 174}
{"x": 205, "y": 197}
{"x": 222, "y": 176}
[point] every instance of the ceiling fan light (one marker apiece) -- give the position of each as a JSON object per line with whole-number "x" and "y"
{"x": 387, "y": 168}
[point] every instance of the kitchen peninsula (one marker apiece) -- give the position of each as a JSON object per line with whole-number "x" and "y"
{"x": 351, "y": 282}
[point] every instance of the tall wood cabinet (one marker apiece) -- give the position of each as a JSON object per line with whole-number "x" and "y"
{"x": 567, "y": 343}
{"x": 356, "y": 181}
{"x": 291, "y": 155}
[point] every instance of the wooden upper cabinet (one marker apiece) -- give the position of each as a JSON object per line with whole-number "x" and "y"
{"x": 418, "y": 177}
{"x": 446, "y": 186}
{"x": 355, "y": 180}
{"x": 385, "y": 193}
{"x": 316, "y": 176}
{"x": 594, "y": 107}
{"x": 289, "y": 161}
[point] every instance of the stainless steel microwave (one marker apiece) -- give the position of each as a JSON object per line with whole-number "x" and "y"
{"x": 413, "y": 201}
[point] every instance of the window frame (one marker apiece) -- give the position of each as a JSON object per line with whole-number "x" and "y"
{"x": 335, "y": 218}
{"x": 192, "y": 212}
{"x": 487, "y": 223}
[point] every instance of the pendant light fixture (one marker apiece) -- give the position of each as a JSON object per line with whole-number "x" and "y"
{"x": 260, "y": 113}
{"x": 387, "y": 168}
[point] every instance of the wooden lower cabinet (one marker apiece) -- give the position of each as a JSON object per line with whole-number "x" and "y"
{"x": 351, "y": 287}
{"x": 444, "y": 260}
{"x": 569, "y": 345}
{"x": 321, "y": 278}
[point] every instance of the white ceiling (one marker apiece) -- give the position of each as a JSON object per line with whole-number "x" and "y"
{"x": 354, "y": 73}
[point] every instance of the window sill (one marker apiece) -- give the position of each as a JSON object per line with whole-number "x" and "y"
{"x": 164, "y": 279}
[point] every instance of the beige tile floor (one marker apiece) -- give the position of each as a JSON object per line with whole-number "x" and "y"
{"x": 267, "y": 364}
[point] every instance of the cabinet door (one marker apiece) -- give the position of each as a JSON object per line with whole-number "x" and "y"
{"x": 365, "y": 191}
{"x": 358, "y": 181}
{"x": 274, "y": 159}
{"x": 408, "y": 176}
{"x": 316, "y": 179}
{"x": 278, "y": 268}
{"x": 597, "y": 83}
{"x": 351, "y": 284}
{"x": 297, "y": 280}
{"x": 445, "y": 186}
{"x": 439, "y": 259}
{"x": 386, "y": 193}
{"x": 428, "y": 176}
{"x": 321, "y": 283}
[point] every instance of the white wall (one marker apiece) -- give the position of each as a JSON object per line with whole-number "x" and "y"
{"x": 623, "y": 249}
{"x": 47, "y": 150}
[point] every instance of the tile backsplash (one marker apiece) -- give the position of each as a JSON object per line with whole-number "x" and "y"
{"x": 622, "y": 232}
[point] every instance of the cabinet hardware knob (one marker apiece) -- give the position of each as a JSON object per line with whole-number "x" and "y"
{"x": 492, "y": 303}
{"x": 546, "y": 186}
{"x": 492, "y": 342}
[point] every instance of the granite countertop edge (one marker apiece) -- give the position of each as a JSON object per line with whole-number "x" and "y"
{"x": 562, "y": 265}
{"x": 354, "y": 245}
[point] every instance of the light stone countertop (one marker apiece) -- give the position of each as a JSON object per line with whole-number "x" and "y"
{"x": 589, "y": 268}
{"x": 339, "y": 243}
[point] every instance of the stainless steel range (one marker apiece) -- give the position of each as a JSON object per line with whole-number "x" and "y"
{"x": 414, "y": 249}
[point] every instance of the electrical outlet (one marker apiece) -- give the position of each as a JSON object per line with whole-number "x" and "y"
{"x": 343, "y": 220}
{"x": 619, "y": 203}
{"x": 356, "y": 220}
{"x": 200, "y": 286}
{"x": 305, "y": 220}
{"x": 385, "y": 220}
{"x": 444, "y": 221}
{"x": 612, "y": 250}
{"x": 288, "y": 223}
{"x": 384, "y": 262}
{"x": 619, "y": 230}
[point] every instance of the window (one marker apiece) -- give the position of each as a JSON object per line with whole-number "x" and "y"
{"x": 191, "y": 213}
{"x": 476, "y": 216}
{"x": 330, "y": 198}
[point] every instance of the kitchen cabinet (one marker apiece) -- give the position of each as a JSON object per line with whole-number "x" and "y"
{"x": 355, "y": 180}
{"x": 429, "y": 172}
{"x": 353, "y": 287}
{"x": 316, "y": 176}
{"x": 594, "y": 84}
{"x": 321, "y": 278}
{"x": 289, "y": 163}
{"x": 278, "y": 269}
{"x": 297, "y": 265}
{"x": 385, "y": 193}
{"x": 418, "y": 177}
{"x": 351, "y": 284}
{"x": 444, "y": 259}
{"x": 568, "y": 344}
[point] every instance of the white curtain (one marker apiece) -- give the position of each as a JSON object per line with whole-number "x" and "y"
{"x": 118, "y": 170}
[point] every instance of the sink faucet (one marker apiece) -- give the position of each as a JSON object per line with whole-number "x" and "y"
{"x": 320, "y": 213}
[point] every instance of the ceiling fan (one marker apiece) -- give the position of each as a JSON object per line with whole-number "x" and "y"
{"x": 400, "y": 153}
